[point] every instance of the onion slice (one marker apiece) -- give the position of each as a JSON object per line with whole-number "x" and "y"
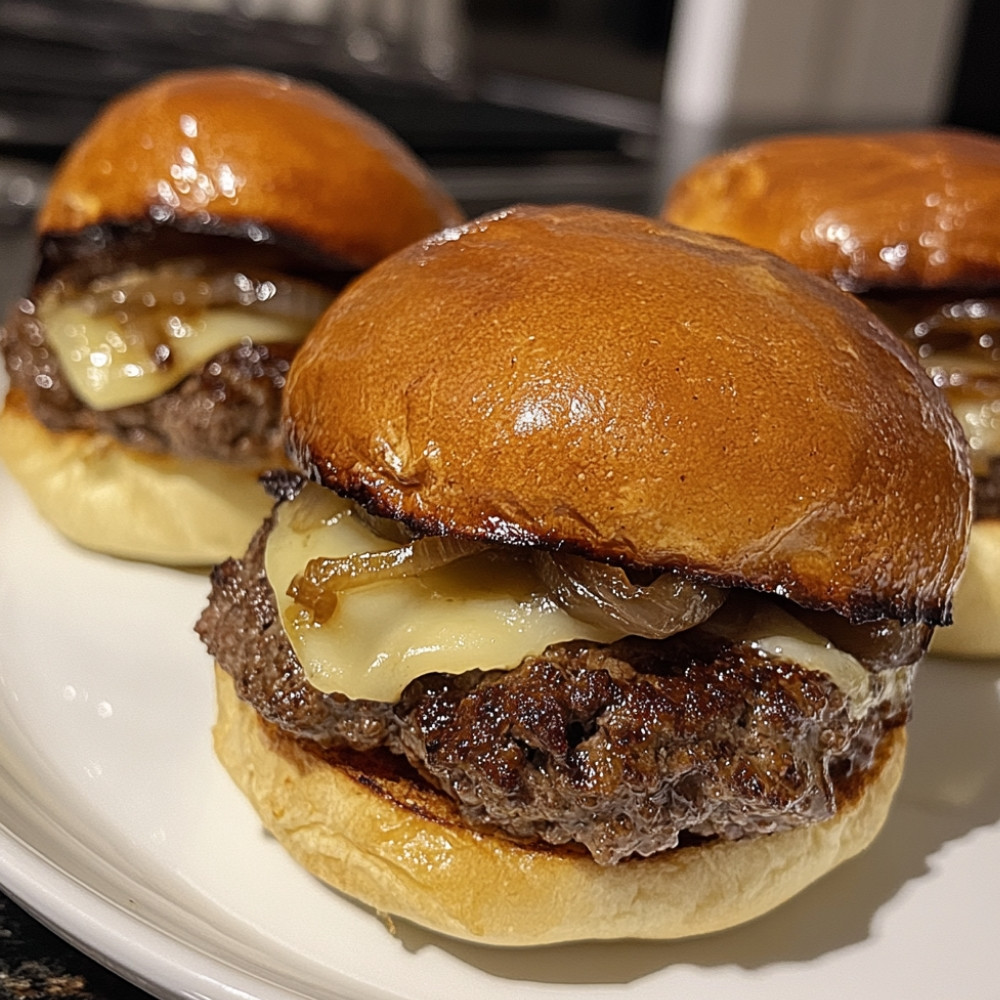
{"x": 602, "y": 594}
{"x": 879, "y": 645}
{"x": 592, "y": 592}
{"x": 193, "y": 284}
{"x": 317, "y": 586}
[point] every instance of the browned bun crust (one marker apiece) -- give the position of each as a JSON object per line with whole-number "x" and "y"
{"x": 224, "y": 148}
{"x": 384, "y": 837}
{"x": 882, "y": 210}
{"x": 630, "y": 390}
{"x": 229, "y": 152}
{"x": 105, "y": 496}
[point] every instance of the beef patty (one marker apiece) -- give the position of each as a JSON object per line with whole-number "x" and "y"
{"x": 627, "y": 749}
{"x": 227, "y": 410}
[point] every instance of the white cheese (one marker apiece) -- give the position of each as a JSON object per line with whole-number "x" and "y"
{"x": 485, "y": 611}
{"x": 109, "y": 365}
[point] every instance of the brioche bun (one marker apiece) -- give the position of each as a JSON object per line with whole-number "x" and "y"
{"x": 258, "y": 168}
{"x": 912, "y": 209}
{"x": 113, "y": 499}
{"x": 390, "y": 841}
{"x": 909, "y": 212}
{"x": 632, "y": 391}
{"x": 227, "y": 149}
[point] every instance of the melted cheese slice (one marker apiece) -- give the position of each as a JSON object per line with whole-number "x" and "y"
{"x": 778, "y": 635}
{"x": 485, "y": 611}
{"x": 975, "y": 400}
{"x": 108, "y": 365}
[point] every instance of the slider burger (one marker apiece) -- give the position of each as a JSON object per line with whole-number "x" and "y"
{"x": 908, "y": 222}
{"x": 188, "y": 242}
{"x": 595, "y": 612}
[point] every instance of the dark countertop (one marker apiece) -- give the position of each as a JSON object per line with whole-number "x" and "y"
{"x": 36, "y": 964}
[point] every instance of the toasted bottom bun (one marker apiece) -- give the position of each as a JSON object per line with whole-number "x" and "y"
{"x": 976, "y": 631}
{"x": 391, "y": 842}
{"x": 105, "y": 496}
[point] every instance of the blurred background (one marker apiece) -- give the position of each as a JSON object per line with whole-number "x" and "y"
{"x": 603, "y": 101}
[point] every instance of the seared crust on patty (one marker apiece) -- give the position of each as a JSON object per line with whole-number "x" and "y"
{"x": 626, "y": 749}
{"x": 365, "y": 824}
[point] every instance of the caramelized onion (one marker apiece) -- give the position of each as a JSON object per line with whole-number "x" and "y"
{"x": 384, "y": 527}
{"x": 599, "y": 594}
{"x": 326, "y": 576}
{"x": 880, "y": 645}
{"x": 191, "y": 285}
{"x": 132, "y": 336}
{"x": 958, "y": 342}
{"x": 592, "y": 592}
{"x": 156, "y": 306}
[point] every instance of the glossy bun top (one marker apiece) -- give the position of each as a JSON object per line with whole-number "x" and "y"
{"x": 243, "y": 151}
{"x": 883, "y": 210}
{"x": 620, "y": 387}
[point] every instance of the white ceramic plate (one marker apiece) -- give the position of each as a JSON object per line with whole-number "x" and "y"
{"x": 119, "y": 830}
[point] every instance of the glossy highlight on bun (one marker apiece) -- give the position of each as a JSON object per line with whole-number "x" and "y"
{"x": 774, "y": 436}
{"x": 900, "y": 209}
{"x": 224, "y": 150}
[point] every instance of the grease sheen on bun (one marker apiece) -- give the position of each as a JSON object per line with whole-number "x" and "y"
{"x": 399, "y": 847}
{"x": 876, "y": 210}
{"x": 218, "y": 149}
{"x": 639, "y": 393}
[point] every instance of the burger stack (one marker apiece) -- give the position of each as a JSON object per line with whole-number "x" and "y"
{"x": 905, "y": 221}
{"x": 572, "y": 568}
{"x": 188, "y": 242}
{"x": 604, "y": 580}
